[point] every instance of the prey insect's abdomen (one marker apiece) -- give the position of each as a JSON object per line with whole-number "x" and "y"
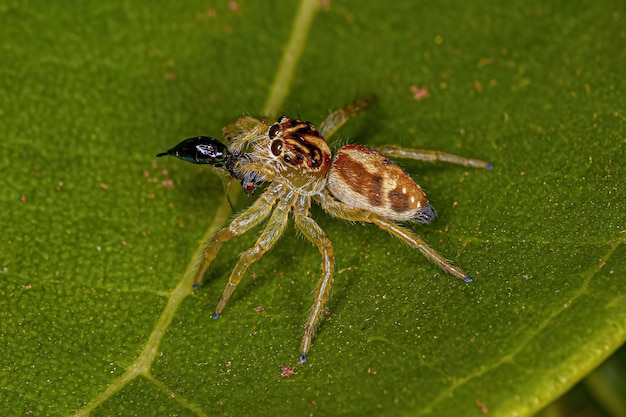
{"x": 200, "y": 150}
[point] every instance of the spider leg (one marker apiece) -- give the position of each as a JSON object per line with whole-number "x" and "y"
{"x": 273, "y": 230}
{"x": 343, "y": 211}
{"x": 252, "y": 216}
{"x": 416, "y": 242}
{"x": 338, "y": 118}
{"x": 314, "y": 233}
{"x": 426, "y": 155}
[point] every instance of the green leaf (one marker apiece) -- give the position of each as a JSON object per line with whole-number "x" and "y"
{"x": 99, "y": 237}
{"x": 600, "y": 394}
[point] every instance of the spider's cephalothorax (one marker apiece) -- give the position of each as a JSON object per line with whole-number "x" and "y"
{"x": 299, "y": 155}
{"x": 292, "y": 159}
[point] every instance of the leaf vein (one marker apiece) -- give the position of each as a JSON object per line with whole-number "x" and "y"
{"x": 280, "y": 88}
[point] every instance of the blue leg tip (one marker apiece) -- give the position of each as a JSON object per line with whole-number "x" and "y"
{"x": 302, "y": 358}
{"x": 195, "y": 286}
{"x": 216, "y": 316}
{"x": 489, "y": 166}
{"x": 468, "y": 279}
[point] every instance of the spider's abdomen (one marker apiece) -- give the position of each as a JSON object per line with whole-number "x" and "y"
{"x": 363, "y": 178}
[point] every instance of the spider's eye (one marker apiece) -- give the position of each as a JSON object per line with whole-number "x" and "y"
{"x": 314, "y": 162}
{"x": 277, "y": 147}
{"x": 273, "y": 131}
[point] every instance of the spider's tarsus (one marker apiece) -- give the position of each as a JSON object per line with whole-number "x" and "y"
{"x": 489, "y": 166}
{"x": 216, "y": 316}
{"x": 302, "y": 358}
{"x": 195, "y": 286}
{"x": 468, "y": 279}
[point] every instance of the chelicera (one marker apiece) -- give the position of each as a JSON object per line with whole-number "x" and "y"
{"x": 292, "y": 159}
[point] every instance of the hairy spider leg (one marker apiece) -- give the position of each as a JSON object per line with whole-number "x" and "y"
{"x": 314, "y": 233}
{"x": 338, "y": 118}
{"x": 426, "y": 155}
{"x": 252, "y": 216}
{"x": 416, "y": 242}
{"x": 267, "y": 239}
{"x": 343, "y": 211}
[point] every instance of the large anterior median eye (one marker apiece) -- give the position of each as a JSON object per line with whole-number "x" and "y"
{"x": 277, "y": 147}
{"x": 273, "y": 131}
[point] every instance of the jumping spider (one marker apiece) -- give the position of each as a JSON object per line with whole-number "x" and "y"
{"x": 292, "y": 159}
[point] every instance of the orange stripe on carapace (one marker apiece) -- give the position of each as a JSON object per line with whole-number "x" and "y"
{"x": 302, "y": 144}
{"x": 366, "y": 179}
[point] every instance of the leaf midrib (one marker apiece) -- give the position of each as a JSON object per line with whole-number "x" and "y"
{"x": 279, "y": 90}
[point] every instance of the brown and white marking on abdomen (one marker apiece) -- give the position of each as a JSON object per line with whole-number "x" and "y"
{"x": 365, "y": 179}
